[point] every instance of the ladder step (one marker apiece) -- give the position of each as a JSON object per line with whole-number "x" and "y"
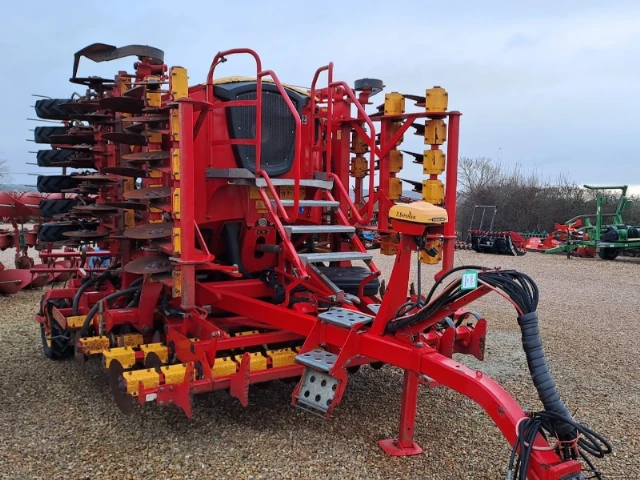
{"x": 311, "y": 203}
{"x": 317, "y": 390}
{"x": 343, "y": 317}
{"x": 317, "y": 359}
{"x": 288, "y": 182}
{"x": 319, "y": 229}
{"x": 334, "y": 257}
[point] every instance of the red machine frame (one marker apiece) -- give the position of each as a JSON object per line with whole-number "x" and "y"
{"x": 211, "y": 311}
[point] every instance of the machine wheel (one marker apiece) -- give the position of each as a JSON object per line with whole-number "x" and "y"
{"x": 49, "y": 108}
{"x": 55, "y": 183}
{"x": 43, "y": 134}
{"x": 58, "y": 344}
{"x": 52, "y": 232}
{"x": 50, "y": 208}
{"x": 48, "y": 158}
{"x": 608, "y": 253}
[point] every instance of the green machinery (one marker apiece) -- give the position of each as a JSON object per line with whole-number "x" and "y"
{"x": 607, "y": 240}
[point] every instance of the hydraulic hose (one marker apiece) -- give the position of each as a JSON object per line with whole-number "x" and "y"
{"x": 93, "y": 280}
{"x": 540, "y": 374}
{"x": 108, "y": 298}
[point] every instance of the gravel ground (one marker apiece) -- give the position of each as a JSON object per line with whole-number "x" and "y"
{"x": 57, "y": 425}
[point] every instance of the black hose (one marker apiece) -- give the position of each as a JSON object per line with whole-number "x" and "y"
{"x": 94, "y": 309}
{"x": 540, "y": 374}
{"x": 103, "y": 276}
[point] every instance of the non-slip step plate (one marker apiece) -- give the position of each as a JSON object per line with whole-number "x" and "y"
{"x": 317, "y": 359}
{"x": 344, "y": 317}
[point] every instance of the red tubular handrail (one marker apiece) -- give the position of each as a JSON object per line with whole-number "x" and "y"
{"x": 343, "y": 191}
{"x": 371, "y": 143}
{"x": 329, "y": 69}
{"x": 297, "y": 149}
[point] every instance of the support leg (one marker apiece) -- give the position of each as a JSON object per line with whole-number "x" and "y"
{"x": 404, "y": 444}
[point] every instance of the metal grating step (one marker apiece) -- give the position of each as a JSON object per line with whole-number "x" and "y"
{"x": 334, "y": 257}
{"x": 317, "y": 390}
{"x": 343, "y": 317}
{"x": 317, "y": 359}
{"x": 311, "y": 203}
{"x": 319, "y": 229}
{"x": 279, "y": 182}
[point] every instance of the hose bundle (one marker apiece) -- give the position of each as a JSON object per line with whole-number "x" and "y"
{"x": 555, "y": 420}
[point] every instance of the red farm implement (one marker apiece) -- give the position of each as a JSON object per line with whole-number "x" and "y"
{"x": 235, "y": 259}
{"x": 491, "y": 241}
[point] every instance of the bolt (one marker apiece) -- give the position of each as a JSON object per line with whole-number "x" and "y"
{"x": 419, "y": 344}
{"x": 171, "y": 388}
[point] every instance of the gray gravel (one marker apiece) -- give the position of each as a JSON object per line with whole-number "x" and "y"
{"x": 57, "y": 425}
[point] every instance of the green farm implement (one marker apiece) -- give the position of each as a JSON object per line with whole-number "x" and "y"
{"x": 591, "y": 235}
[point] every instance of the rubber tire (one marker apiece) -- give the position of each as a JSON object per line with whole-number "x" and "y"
{"x": 49, "y": 208}
{"x": 608, "y": 253}
{"x": 49, "y": 109}
{"x": 43, "y": 134}
{"x": 48, "y": 158}
{"x": 61, "y": 347}
{"x": 55, "y": 183}
{"x": 52, "y": 232}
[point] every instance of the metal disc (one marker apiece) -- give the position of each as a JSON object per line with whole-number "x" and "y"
{"x": 148, "y": 265}
{"x": 86, "y": 234}
{"x": 79, "y": 107}
{"x": 149, "y": 193}
{"x": 150, "y": 231}
{"x": 95, "y": 208}
{"x": 91, "y": 117}
{"x": 143, "y": 157}
{"x": 147, "y": 119}
{"x": 152, "y": 360}
{"x": 135, "y": 92}
{"x": 126, "y": 138}
{"x": 94, "y": 178}
{"x": 122, "y": 104}
{"x": 74, "y": 138}
{"x": 123, "y": 400}
{"x": 126, "y": 172}
{"x": 127, "y": 205}
{"x": 104, "y": 83}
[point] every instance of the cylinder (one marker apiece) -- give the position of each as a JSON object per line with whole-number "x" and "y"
{"x": 358, "y": 167}
{"x": 395, "y": 161}
{"x": 437, "y": 100}
{"x": 433, "y": 192}
{"x": 435, "y": 132}
{"x": 393, "y": 104}
{"x": 395, "y": 188}
{"x": 433, "y": 162}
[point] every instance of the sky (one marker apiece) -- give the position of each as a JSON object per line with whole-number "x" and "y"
{"x": 551, "y": 85}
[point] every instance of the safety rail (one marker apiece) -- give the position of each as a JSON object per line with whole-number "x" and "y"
{"x": 257, "y": 141}
{"x": 329, "y": 126}
{"x": 354, "y": 210}
{"x": 371, "y": 142}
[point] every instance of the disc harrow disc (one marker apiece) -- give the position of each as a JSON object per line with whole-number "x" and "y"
{"x": 96, "y": 178}
{"x": 127, "y": 205}
{"x": 143, "y": 157}
{"x": 149, "y": 265}
{"x": 126, "y": 172}
{"x": 152, "y": 360}
{"x": 74, "y": 138}
{"x": 122, "y": 104}
{"x": 126, "y": 138}
{"x": 123, "y": 400}
{"x": 147, "y": 119}
{"x": 149, "y": 231}
{"x": 149, "y": 193}
{"x": 91, "y": 117}
{"x": 86, "y": 234}
{"x": 95, "y": 208}
{"x": 79, "y": 107}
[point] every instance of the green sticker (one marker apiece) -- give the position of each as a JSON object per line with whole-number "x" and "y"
{"x": 469, "y": 280}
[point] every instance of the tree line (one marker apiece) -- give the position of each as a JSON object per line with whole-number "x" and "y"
{"x": 525, "y": 201}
